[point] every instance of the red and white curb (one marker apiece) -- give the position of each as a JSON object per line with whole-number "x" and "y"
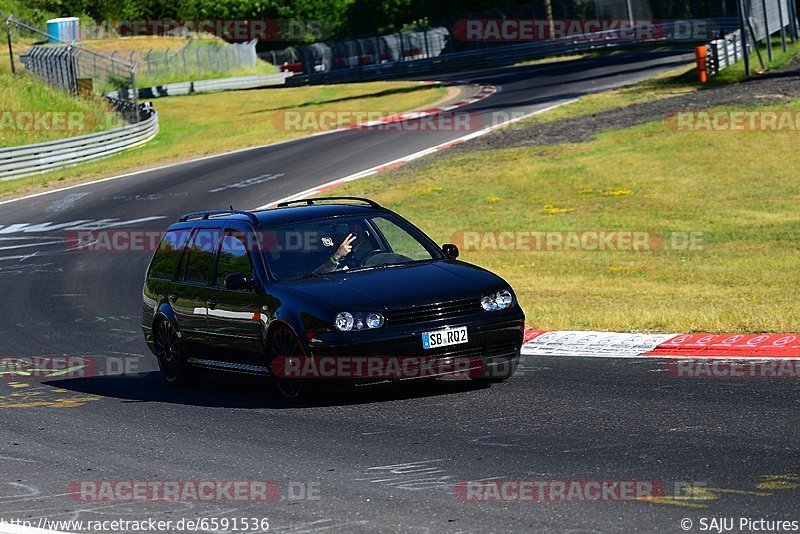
{"x": 484, "y": 91}
{"x": 620, "y": 345}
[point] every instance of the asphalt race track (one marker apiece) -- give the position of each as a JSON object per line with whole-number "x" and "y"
{"x": 375, "y": 460}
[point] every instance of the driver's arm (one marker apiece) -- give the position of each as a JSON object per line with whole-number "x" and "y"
{"x": 333, "y": 262}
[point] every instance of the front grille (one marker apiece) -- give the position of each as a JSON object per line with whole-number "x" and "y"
{"x": 432, "y": 312}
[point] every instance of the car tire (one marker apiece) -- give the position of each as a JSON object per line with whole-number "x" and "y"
{"x": 283, "y": 343}
{"x": 171, "y": 360}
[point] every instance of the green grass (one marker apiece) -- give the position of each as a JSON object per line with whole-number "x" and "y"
{"x": 736, "y": 72}
{"x": 673, "y": 83}
{"x": 240, "y": 119}
{"x": 26, "y": 93}
{"x": 140, "y": 44}
{"x": 737, "y": 190}
{"x": 23, "y": 93}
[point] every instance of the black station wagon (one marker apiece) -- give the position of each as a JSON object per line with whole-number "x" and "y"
{"x": 324, "y": 288}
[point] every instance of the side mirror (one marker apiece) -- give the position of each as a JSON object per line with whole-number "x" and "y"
{"x": 238, "y": 281}
{"x": 450, "y": 250}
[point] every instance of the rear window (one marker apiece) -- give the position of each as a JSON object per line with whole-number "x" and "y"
{"x": 168, "y": 254}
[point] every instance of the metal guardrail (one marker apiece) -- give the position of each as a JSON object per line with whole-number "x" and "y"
{"x": 496, "y": 56}
{"x": 19, "y": 161}
{"x": 25, "y": 160}
{"x": 204, "y": 86}
{"x": 724, "y": 52}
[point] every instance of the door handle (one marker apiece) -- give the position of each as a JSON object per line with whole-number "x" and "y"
{"x": 173, "y": 297}
{"x": 211, "y": 303}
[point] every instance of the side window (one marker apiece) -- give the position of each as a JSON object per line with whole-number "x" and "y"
{"x": 233, "y": 256}
{"x": 168, "y": 254}
{"x": 400, "y": 240}
{"x": 201, "y": 255}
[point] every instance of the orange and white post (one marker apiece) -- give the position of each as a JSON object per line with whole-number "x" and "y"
{"x": 702, "y": 63}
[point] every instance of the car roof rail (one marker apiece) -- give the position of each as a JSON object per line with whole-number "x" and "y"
{"x": 204, "y": 215}
{"x": 311, "y": 201}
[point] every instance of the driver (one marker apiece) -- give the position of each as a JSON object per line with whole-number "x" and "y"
{"x": 332, "y": 264}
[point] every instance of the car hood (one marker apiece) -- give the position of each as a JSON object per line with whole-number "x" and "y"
{"x": 400, "y": 286}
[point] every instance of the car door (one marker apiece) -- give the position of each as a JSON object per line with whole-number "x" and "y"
{"x": 192, "y": 294}
{"x": 234, "y": 318}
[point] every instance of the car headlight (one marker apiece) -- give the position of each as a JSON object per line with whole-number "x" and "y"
{"x": 347, "y": 322}
{"x": 504, "y": 299}
{"x": 489, "y": 304}
{"x": 498, "y": 301}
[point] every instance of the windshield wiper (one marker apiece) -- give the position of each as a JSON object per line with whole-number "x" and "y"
{"x": 379, "y": 266}
{"x": 306, "y": 276}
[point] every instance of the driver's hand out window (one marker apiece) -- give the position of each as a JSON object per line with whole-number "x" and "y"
{"x": 333, "y": 263}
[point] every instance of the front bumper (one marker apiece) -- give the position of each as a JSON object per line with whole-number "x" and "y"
{"x": 495, "y": 339}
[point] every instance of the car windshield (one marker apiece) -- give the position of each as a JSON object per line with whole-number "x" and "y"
{"x": 310, "y": 248}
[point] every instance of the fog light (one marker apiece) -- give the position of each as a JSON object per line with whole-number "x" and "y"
{"x": 374, "y": 320}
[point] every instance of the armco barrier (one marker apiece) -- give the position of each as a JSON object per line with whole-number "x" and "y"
{"x": 496, "y": 56}
{"x": 204, "y": 86}
{"x": 724, "y": 52}
{"x": 24, "y": 160}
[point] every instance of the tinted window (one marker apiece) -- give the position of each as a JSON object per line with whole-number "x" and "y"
{"x": 168, "y": 254}
{"x": 303, "y": 249}
{"x": 400, "y": 241}
{"x": 233, "y": 257}
{"x": 201, "y": 255}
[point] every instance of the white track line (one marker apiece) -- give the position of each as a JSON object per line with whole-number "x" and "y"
{"x": 222, "y": 154}
{"x": 7, "y": 528}
{"x": 410, "y": 157}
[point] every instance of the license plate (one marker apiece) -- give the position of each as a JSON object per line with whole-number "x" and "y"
{"x": 444, "y": 337}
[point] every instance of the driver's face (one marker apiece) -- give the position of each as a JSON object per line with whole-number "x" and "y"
{"x": 343, "y": 230}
